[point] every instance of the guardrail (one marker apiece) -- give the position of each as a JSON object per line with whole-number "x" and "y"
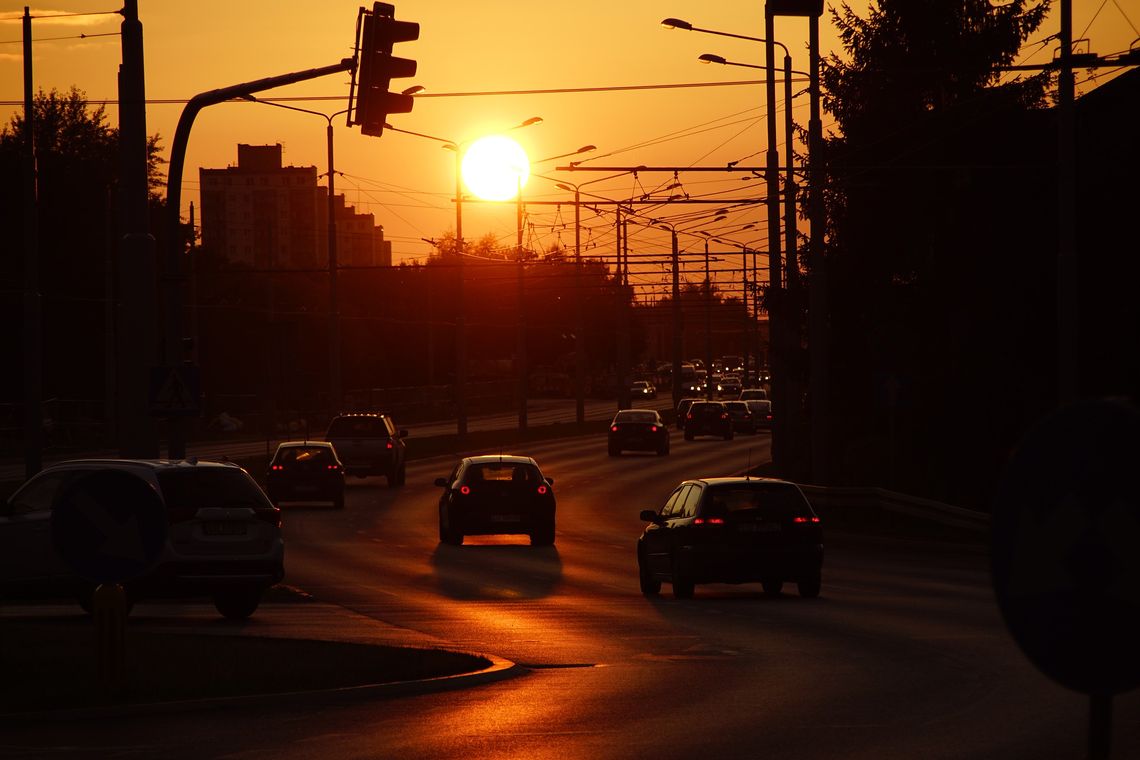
{"x": 849, "y": 505}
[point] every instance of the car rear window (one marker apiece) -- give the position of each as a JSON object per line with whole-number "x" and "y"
{"x": 186, "y": 491}
{"x": 504, "y": 472}
{"x": 303, "y": 454}
{"x": 357, "y": 427}
{"x": 636, "y": 417}
{"x": 767, "y": 501}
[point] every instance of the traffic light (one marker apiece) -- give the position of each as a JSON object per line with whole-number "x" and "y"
{"x": 377, "y": 67}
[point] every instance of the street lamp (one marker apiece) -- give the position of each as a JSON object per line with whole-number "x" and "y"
{"x": 335, "y": 400}
{"x": 460, "y": 318}
{"x": 778, "y": 343}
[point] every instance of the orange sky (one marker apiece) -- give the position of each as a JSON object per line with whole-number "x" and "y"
{"x": 465, "y": 47}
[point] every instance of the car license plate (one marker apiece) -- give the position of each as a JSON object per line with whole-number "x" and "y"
{"x": 228, "y": 528}
{"x": 505, "y": 518}
{"x": 765, "y": 527}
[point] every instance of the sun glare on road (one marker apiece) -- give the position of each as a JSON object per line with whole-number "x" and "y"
{"x": 495, "y": 167}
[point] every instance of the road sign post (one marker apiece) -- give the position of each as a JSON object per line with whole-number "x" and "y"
{"x": 1066, "y": 522}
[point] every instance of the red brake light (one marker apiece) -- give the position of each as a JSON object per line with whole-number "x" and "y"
{"x": 614, "y": 428}
{"x": 724, "y": 415}
{"x": 277, "y": 467}
{"x": 709, "y": 521}
{"x": 652, "y": 428}
{"x": 542, "y": 490}
{"x": 689, "y": 416}
{"x": 390, "y": 443}
{"x": 464, "y": 490}
{"x": 334, "y": 466}
{"x": 805, "y": 519}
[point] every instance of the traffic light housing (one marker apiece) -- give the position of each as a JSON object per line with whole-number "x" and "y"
{"x": 377, "y": 67}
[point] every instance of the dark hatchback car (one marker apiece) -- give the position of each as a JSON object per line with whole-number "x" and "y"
{"x": 732, "y": 530}
{"x": 683, "y": 409}
{"x": 761, "y": 413}
{"x": 305, "y": 471}
{"x": 369, "y": 444}
{"x": 743, "y": 420}
{"x": 222, "y": 535}
{"x": 708, "y": 418}
{"x": 496, "y": 494}
{"x": 638, "y": 430}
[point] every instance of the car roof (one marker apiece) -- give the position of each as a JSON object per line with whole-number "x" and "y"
{"x": 305, "y": 444}
{"x": 739, "y": 480}
{"x": 497, "y": 458}
{"x": 152, "y": 464}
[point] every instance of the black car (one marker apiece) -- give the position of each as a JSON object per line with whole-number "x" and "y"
{"x": 683, "y": 409}
{"x": 743, "y": 420}
{"x": 708, "y": 418}
{"x": 369, "y": 444}
{"x": 496, "y": 494}
{"x": 221, "y": 536}
{"x": 638, "y": 430}
{"x": 732, "y": 530}
{"x": 305, "y": 471}
{"x": 761, "y": 413}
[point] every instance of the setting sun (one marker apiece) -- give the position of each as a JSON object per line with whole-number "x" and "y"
{"x": 494, "y": 167}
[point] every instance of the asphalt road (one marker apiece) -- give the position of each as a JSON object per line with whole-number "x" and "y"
{"x": 903, "y": 656}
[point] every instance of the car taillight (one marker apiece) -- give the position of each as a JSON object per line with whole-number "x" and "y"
{"x": 271, "y": 516}
{"x": 689, "y": 416}
{"x": 334, "y": 467}
{"x": 614, "y": 428}
{"x": 769, "y": 418}
{"x": 390, "y": 444}
{"x": 542, "y": 490}
{"x": 464, "y": 490}
{"x": 724, "y": 415}
{"x": 277, "y": 467}
{"x": 805, "y": 519}
{"x": 709, "y": 521}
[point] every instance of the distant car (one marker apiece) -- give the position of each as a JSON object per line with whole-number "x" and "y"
{"x": 728, "y": 386}
{"x": 496, "y": 494}
{"x": 742, "y": 419}
{"x": 638, "y": 430}
{"x": 761, "y": 413}
{"x": 731, "y": 530}
{"x": 369, "y": 444}
{"x": 753, "y": 394}
{"x": 223, "y": 536}
{"x": 643, "y": 389}
{"x": 708, "y": 418}
{"x": 683, "y": 409}
{"x": 305, "y": 471}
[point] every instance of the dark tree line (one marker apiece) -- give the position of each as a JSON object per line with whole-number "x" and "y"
{"x": 942, "y": 245}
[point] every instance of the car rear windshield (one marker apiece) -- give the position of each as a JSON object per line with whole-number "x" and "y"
{"x": 736, "y": 406}
{"x": 304, "y": 454}
{"x": 357, "y": 427}
{"x": 706, "y": 408}
{"x": 768, "y": 501}
{"x": 649, "y": 417}
{"x": 502, "y": 472}
{"x": 189, "y": 490}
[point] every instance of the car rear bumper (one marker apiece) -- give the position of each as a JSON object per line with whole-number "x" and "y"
{"x": 719, "y": 563}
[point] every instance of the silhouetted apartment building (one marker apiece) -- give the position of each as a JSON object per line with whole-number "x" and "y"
{"x": 268, "y": 216}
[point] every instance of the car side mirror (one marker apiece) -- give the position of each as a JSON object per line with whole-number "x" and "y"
{"x": 441, "y": 482}
{"x": 649, "y": 515}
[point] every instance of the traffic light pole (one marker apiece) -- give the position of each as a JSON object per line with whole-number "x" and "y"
{"x": 172, "y": 278}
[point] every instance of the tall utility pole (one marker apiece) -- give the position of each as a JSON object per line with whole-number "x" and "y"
{"x": 33, "y": 316}
{"x": 819, "y": 329}
{"x": 335, "y": 384}
{"x": 137, "y": 342}
{"x": 1067, "y": 288}
{"x": 520, "y": 355}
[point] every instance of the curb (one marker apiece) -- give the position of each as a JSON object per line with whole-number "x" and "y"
{"x": 499, "y": 670}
